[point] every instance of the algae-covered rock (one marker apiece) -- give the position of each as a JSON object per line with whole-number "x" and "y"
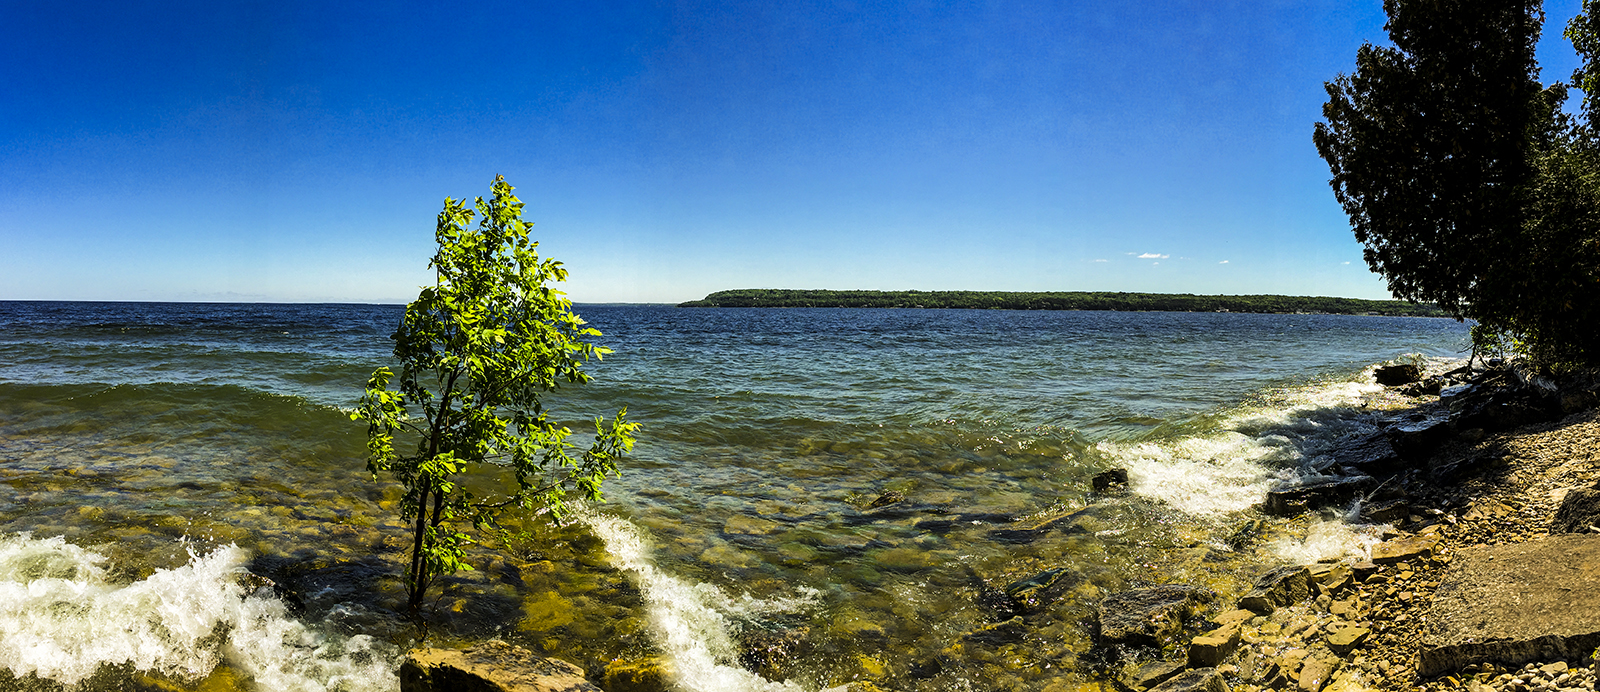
{"x": 545, "y": 612}
{"x": 649, "y": 675}
{"x": 741, "y": 525}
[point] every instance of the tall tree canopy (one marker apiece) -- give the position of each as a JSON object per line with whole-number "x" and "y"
{"x": 1468, "y": 185}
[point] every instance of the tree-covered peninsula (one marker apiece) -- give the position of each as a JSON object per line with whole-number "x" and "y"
{"x": 1057, "y": 300}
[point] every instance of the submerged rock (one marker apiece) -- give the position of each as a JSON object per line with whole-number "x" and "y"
{"x": 1194, "y": 680}
{"x": 492, "y": 666}
{"x": 888, "y": 498}
{"x": 1109, "y": 481}
{"x": 1031, "y": 593}
{"x": 1148, "y": 617}
{"x": 651, "y": 675}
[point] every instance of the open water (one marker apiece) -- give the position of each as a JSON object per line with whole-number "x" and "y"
{"x": 153, "y": 456}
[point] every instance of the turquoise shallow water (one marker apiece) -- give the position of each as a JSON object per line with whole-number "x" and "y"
{"x": 739, "y": 543}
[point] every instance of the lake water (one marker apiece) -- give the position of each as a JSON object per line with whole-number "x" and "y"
{"x": 151, "y": 454}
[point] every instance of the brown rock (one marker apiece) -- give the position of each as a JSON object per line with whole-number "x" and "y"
{"x": 1515, "y": 603}
{"x": 1280, "y": 587}
{"x": 1404, "y": 549}
{"x": 1345, "y": 637}
{"x": 1214, "y": 647}
{"x": 1317, "y": 670}
{"x": 493, "y": 666}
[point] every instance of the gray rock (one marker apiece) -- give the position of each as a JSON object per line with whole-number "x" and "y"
{"x": 1396, "y": 375}
{"x": 1031, "y": 593}
{"x": 1148, "y": 617}
{"x": 493, "y": 666}
{"x": 1370, "y": 454}
{"x": 1297, "y": 499}
{"x": 1579, "y": 513}
{"x": 1416, "y": 440}
{"x": 1391, "y": 512}
{"x": 1194, "y": 680}
{"x": 1280, "y": 587}
{"x": 1500, "y": 409}
{"x": 1115, "y": 479}
{"x": 1511, "y": 604}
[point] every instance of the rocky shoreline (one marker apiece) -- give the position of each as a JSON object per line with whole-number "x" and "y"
{"x": 1471, "y": 466}
{"x": 1503, "y": 466}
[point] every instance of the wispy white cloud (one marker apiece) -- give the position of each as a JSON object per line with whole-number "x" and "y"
{"x": 1152, "y": 255}
{"x": 1346, "y": 262}
{"x": 1101, "y": 260}
{"x": 1223, "y": 262}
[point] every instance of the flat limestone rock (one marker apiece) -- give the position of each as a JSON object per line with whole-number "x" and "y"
{"x": 1511, "y": 604}
{"x": 1403, "y": 549}
{"x": 493, "y": 666}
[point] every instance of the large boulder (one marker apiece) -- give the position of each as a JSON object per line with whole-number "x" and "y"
{"x": 1579, "y": 512}
{"x": 1371, "y": 454}
{"x": 1396, "y": 375}
{"x": 1292, "y": 500}
{"x": 1515, "y": 603}
{"x": 1148, "y": 617}
{"x": 1416, "y": 439}
{"x": 493, "y": 666}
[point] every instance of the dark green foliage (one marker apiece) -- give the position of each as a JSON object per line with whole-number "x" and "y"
{"x": 477, "y": 352}
{"x": 1461, "y": 175}
{"x": 1066, "y": 300}
{"x": 1427, "y": 142}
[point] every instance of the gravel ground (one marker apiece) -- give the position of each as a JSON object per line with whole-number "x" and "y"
{"x": 1516, "y": 482}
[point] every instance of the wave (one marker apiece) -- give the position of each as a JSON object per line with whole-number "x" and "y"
{"x": 694, "y": 622}
{"x": 62, "y": 621}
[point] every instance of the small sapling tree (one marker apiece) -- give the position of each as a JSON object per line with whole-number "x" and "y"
{"x": 477, "y": 351}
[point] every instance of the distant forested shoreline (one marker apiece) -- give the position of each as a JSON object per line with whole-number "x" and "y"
{"x": 1059, "y": 300}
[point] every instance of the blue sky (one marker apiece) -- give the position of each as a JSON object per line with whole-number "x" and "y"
{"x": 288, "y": 151}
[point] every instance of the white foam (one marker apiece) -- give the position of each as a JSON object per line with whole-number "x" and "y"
{"x": 1326, "y": 540}
{"x": 60, "y": 619}
{"x": 1231, "y": 470}
{"x": 694, "y": 622}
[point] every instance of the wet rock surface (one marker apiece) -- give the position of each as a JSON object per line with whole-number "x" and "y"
{"x": 493, "y": 666}
{"x": 1148, "y": 617}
